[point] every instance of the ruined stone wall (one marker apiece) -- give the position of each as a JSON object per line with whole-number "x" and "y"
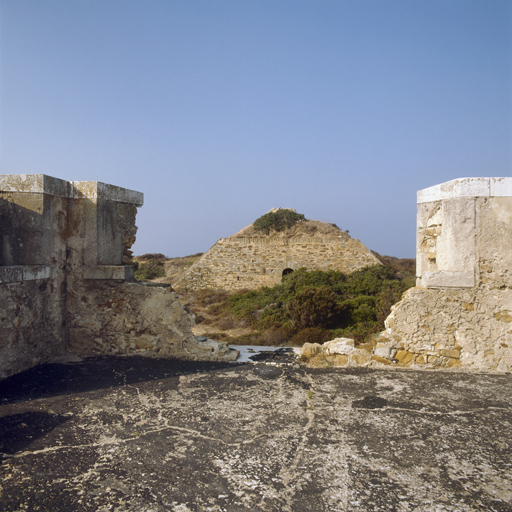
{"x": 460, "y": 313}
{"x": 64, "y": 282}
{"x": 238, "y": 263}
{"x": 116, "y": 317}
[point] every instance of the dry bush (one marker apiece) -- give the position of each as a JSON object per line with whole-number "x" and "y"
{"x": 209, "y": 296}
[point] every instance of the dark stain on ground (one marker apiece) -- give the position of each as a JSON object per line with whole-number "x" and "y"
{"x": 370, "y": 402}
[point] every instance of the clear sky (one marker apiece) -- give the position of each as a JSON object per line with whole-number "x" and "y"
{"x": 219, "y": 110}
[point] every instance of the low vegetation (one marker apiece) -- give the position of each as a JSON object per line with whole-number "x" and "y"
{"x": 148, "y": 270}
{"x": 156, "y": 266}
{"x": 312, "y": 306}
{"x": 278, "y": 220}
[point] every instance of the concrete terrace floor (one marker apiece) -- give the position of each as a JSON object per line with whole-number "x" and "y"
{"x": 147, "y": 435}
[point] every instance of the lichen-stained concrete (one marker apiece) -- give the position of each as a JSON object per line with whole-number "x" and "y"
{"x": 135, "y": 434}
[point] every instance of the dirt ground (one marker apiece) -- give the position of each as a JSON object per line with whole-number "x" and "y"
{"x": 147, "y": 435}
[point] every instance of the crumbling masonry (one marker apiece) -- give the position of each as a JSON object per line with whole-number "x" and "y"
{"x": 460, "y": 312}
{"x": 65, "y": 284}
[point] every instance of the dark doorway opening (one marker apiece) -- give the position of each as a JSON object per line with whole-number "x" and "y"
{"x": 287, "y": 271}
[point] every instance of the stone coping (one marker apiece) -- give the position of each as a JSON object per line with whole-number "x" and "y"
{"x": 41, "y": 183}
{"x": 447, "y": 279}
{"x": 467, "y": 187}
{"x": 18, "y": 273}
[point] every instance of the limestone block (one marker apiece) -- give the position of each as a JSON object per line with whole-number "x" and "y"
{"x": 462, "y": 187}
{"x": 339, "y": 346}
{"x": 404, "y": 356}
{"x": 503, "y": 316}
{"x": 384, "y": 350}
{"x": 310, "y": 349}
{"x": 11, "y": 274}
{"x": 454, "y": 354}
{"x": 420, "y": 359}
{"x": 380, "y": 359}
{"x": 340, "y": 360}
{"x": 360, "y": 357}
{"x": 446, "y": 279}
{"x": 33, "y": 272}
{"x": 116, "y": 272}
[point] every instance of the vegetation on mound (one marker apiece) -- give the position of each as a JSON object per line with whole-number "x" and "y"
{"x": 151, "y": 256}
{"x": 157, "y": 266}
{"x": 148, "y": 270}
{"x": 301, "y": 228}
{"x": 308, "y": 306}
{"x": 278, "y": 220}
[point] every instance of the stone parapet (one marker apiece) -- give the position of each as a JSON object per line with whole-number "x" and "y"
{"x": 64, "y": 278}
{"x": 43, "y": 184}
{"x": 467, "y": 187}
{"x": 459, "y": 316}
{"x": 460, "y": 313}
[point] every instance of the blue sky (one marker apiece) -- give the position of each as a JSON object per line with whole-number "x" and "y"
{"x": 219, "y": 110}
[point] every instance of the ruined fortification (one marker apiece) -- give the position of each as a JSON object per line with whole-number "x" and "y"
{"x": 249, "y": 260}
{"x": 64, "y": 280}
{"x": 460, "y": 312}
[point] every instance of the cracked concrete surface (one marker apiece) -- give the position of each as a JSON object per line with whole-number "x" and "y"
{"x": 143, "y": 435}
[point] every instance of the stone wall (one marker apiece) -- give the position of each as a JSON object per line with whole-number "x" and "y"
{"x": 238, "y": 263}
{"x": 32, "y": 286}
{"x": 460, "y": 312}
{"x": 64, "y": 282}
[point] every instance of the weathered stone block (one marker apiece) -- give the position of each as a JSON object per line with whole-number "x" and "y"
{"x": 451, "y": 353}
{"x": 380, "y": 359}
{"x": 404, "y": 356}
{"x": 310, "y": 349}
{"x": 360, "y": 357}
{"x": 340, "y": 360}
{"x": 339, "y": 346}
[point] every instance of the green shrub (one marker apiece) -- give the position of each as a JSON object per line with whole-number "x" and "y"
{"x": 150, "y": 270}
{"x": 277, "y": 221}
{"x": 313, "y": 307}
{"x": 353, "y": 305}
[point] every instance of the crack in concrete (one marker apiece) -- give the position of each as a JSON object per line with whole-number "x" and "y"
{"x": 290, "y": 474}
